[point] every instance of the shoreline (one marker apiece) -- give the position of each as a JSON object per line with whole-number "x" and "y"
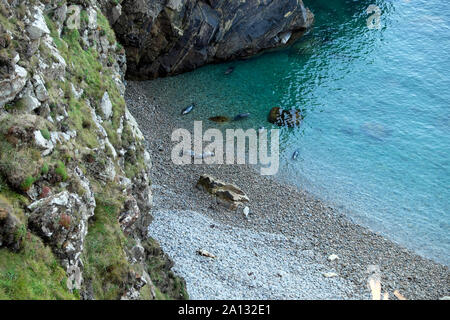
{"x": 317, "y": 229}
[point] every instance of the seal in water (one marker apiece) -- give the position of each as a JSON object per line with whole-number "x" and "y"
{"x": 220, "y": 119}
{"x": 229, "y": 70}
{"x": 188, "y": 109}
{"x": 261, "y": 129}
{"x": 241, "y": 116}
{"x": 295, "y": 155}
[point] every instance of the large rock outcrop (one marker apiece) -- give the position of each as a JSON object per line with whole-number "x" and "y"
{"x": 166, "y": 37}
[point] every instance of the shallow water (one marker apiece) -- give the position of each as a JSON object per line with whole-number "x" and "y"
{"x": 375, "y": 140}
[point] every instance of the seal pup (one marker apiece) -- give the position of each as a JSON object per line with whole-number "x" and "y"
{"x": 188, "y": 109}
{"x": 229, "y": 71}
{"x": 241, "y": 116}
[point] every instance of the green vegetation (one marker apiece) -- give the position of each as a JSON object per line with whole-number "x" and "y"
{"x": 27, "y": 183}
{"x": 168, "y": 286}
{"x": 105, "y": 263}
{"x": 32, "y": 273}
{"x": 90, "y": 75}
{"x": 61, "y": 170}
{"x": 45, "y": 133}
{"x": 45, "y": 168}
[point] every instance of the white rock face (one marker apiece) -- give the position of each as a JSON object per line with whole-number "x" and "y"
{"x": 106, "y": 106}
{"x": 92, "y": 18}
{"x": 39, "y": 88}
{"x": 38, "y": 27}
{"x": 30, "y": 102}
{"x": 43, "y": 143}
{"x": 11, "y": 86}
{"x": 116, "y": 12}
{"x": 57, "y": 69}
{"x": 134, "y": 125}
{"x": 76, "y": 93}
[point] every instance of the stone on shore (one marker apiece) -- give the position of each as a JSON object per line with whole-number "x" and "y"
{"x": 227, "y": 194}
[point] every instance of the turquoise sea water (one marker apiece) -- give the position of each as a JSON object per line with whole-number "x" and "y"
{"x": 375, "y": 140}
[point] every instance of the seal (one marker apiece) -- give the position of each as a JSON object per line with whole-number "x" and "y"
{"x": 241, "y": 116}
{"x": 295, "y": 155}
{"x": 188, "y": 109}
{"x": 229, "y": 71}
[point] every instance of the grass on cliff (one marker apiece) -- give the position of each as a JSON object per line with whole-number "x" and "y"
{"x": 33, "y": 273}
{"x": 90, "y": 75}
{"x": 105, "y": 262}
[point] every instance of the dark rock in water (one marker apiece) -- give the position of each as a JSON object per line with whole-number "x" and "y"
{"x": 285, "y": 118}
{"x": 229, "y": 70}
{"x": 188, "y": 109}
{"x": 219, "y": 119}
{"x": 241, "y": 116}
{"x": 164, "y": 37}
{"x": 348, "y": 131}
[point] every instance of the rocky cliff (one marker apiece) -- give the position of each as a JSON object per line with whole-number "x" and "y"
{"x": 75, "y": 191}
{"x": 166, "y": 37}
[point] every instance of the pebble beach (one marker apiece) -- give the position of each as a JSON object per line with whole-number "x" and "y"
{"x": 291, "y": 245}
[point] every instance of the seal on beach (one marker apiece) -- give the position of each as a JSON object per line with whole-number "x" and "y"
{"x": 219, "y": 119}
{"x": 229, "y": 71}
{"x": 203, "y": 155}
{"x": 188, "y": 109}
{"x": 241, "y": 116}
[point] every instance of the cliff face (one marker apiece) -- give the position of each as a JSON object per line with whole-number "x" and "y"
{"x": 166, "y": 37}
{"x": 75, "y": 190}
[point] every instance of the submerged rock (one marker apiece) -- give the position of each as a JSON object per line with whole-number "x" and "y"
{"x": 285, "y": 118}
{"x": 376, "y": 130}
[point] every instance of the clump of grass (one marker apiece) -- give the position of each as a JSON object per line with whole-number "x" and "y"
{"x": 105, "y": 262}
{"x": 45, "y": 133}
{"x": 45, "y": 168}
{"x": 27, "y": 183}
{"x": 61, "y": 170}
